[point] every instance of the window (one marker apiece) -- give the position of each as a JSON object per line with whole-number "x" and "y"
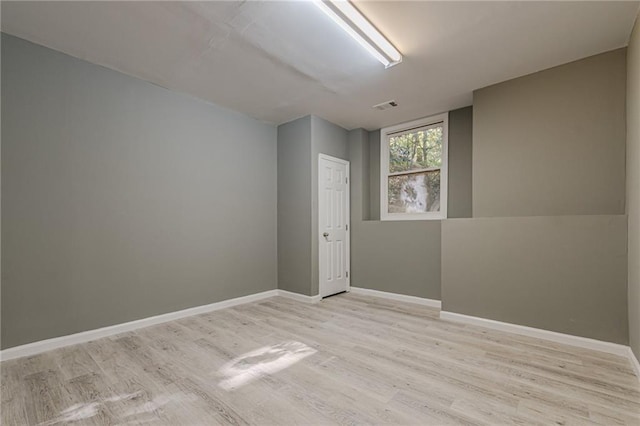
{"x": 413, "y": 170}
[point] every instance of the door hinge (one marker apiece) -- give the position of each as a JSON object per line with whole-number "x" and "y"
{"x": 347, "y": 274}
{"x": 346, "y": 180}
{"x": 347, "y": 227}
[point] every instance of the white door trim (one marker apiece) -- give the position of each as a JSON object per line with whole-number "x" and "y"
{"x": 347, "y": 222}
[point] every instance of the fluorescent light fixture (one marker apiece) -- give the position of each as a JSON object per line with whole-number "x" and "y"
{"x": 357, "y": 26}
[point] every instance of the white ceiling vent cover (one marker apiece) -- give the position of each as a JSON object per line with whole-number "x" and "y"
{"x": 386, "y": 105}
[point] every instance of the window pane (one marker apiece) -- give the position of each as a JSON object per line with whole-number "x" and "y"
{"x": 416, "y": 150}
{"x": 415, "y": 193}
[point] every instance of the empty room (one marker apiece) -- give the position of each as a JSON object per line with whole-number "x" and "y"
{"x": 320, "y": 212}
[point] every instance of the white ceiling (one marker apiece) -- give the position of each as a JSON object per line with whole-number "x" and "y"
{"x": 277, "y": 61}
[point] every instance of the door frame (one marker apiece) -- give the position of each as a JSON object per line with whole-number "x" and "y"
{"x": 347, "y": 221}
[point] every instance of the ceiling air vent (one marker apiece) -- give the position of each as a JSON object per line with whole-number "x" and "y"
{"x": 386, "y": 105}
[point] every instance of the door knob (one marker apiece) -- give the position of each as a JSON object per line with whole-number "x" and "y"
{"x": 326, "y": 234}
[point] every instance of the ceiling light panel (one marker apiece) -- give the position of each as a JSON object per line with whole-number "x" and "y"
{"x": 345, "y": 14}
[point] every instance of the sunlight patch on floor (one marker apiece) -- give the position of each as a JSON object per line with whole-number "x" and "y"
{"x": 157, "y": 403}
{"x": 86, "y": 410}
{"x": 262, "y": 362}
{"x": 76, "y": 413}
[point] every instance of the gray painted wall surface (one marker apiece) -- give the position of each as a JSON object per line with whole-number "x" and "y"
{"x": 299, "y": 143}
{"x": 294, "y": 206}
{"x": 359, "y": 143}
{"x": 402, "y": 256}
{"x": 565, "y": 274}
{"x": 374, "y": 177}
{"x": 398, "y": 257}
{"x": 122, "y": 200}
{"x": 459, "y": 202}
{"x": 330, "y": 139}
{"x": 553, "y": 142}
{"x": 633, "y": 185}
{"x": 460, "y": 152}
{"x": 358, "y": 150}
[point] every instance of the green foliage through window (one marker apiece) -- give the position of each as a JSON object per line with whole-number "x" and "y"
{"x": 412, "y": 189}
{"x": 416, "y": 150}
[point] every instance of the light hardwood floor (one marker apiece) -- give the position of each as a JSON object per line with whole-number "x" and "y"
{"x": 349, "y": 359}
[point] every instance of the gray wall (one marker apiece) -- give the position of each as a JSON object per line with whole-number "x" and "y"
{"x": 398, "y": 257}
{"x": 402, "y": 256}
{"x": 564, "y": 273}
{"x": 330, "y": 139}
{"x": 374, "y": 177}
{"x": 547, "y": 148}
{"x": 299, "y": 143}
{"x": 459, "y": 203}
{"x": 360, "y": 168}
{"x": 459, "y": 197}
{"x": 294, "y": 206}
{"x": 122, "y": 200}
{"x": 633, "y": 185}
{"x": 553, "y": 142}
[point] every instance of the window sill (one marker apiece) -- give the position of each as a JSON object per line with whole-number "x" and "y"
{"x": 405, "y": 217}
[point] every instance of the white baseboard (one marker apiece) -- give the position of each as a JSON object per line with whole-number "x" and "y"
{"x": 299, "y": 297}
{"x": 567, "y": 339}
{"x": 85, "y": 336}
{"x": 399, "y": 297}
{"x": 634, "y": 362}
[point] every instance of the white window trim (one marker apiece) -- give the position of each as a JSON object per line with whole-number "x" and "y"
{"x": 384, "y": 169}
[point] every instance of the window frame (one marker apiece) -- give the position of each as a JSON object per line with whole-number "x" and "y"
{"x": 444, "y": 168}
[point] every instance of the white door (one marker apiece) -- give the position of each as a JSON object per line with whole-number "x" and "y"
{"x": 333, "y": 223}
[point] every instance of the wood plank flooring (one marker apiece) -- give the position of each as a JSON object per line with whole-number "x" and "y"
{"x": 349, "y": 359}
